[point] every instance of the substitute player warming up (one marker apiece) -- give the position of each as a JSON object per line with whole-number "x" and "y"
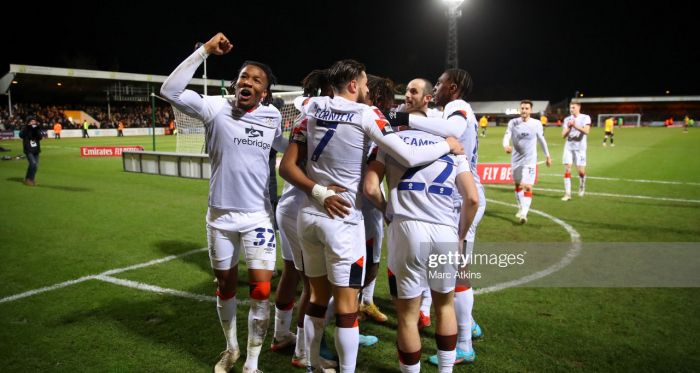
{"x": 575, "y": 131}
{"x": 524, "y": 132}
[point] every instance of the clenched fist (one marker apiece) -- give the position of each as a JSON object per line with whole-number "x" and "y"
{"x": 218, "y": 45}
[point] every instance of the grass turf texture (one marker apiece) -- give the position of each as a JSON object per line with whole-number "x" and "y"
{"x": 88, "y": 216}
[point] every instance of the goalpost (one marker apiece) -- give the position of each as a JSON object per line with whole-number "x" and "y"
{"x": 627, "y": 119}
{"x": 191, "y": 137}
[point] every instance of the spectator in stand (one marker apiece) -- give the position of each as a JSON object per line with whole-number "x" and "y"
{"x": 57, "y": 130}
{"x": 31, "y": 136}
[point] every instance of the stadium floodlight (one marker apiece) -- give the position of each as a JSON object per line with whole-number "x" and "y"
{"x": 452, "y": 14}
{"x": 196, "y": 46}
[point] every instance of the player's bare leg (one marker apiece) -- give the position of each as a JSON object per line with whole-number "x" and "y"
{"x": 300, "y": 358}
{"x": 258, "y": 316}
{"x": 526, "y": 201}
{"x": 347, "y": 334}
{"x": 519, "y": 197}
{"x": 407, "y": 336}
{"x": 284, "y": 305}
{"x": 446, "y": 329}
{"x": 314, "y": 320}
{"x": 567, "y": 182}
{"x": 226, "y": 305}
{"x": 582, "y": 179}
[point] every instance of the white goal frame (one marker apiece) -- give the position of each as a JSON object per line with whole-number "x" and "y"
{"x": 602, "y": 117}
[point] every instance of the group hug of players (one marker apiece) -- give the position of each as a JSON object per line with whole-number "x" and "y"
{"x": 332, "y": 212}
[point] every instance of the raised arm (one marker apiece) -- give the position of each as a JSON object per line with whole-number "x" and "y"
{"x": 174, "y": 88}
{"x": 454, "y": 126}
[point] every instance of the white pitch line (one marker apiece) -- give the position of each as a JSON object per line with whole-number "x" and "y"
{"x": 93, "y": 277}
{"x": 47, "y": 288}
{"x": 630, "y": 180}
{"x": 565, "y": 261}
{"x": 156, "y": 289}
{"x": 605, "y": 194}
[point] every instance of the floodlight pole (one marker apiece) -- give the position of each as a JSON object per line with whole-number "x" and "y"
{"x": 153, "y": 111}
{"x": 9, "y": 101}
{"x": 451, "y": 60}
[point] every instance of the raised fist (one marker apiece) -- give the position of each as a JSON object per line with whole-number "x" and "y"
{"x": 218, "y": 45}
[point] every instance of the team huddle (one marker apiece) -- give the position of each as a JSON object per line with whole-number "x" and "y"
{"x": 331, "y": 216}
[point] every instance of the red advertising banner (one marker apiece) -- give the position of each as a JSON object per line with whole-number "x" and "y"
{"x": 497, "y": 173}
{"x": 106, "y": 151}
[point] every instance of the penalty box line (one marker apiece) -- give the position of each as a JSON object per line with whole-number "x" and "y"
{"x": 627, "y": 180}
{"x": 104, "y": 276}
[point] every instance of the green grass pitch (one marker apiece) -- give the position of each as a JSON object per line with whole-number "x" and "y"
{"x": 88, "y": 217}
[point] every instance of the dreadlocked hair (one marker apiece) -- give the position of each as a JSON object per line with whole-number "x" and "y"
{"x": 381, "y": 90}
{"x": 317, "y": 79}
{"x": 463, "y": 80}
{"x": 271, "y": 79}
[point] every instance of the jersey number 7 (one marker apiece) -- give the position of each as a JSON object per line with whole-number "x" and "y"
{"x": 332, "y": 126}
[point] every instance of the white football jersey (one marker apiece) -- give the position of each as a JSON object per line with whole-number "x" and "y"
{"x": 432, "y": 112}
{"x": 470, "y": 141}
{"x": 424, "y": 193}
{"x": 577, "y": 139}
{"x": 290, "y": 201}
{"x": 525, "y": 136}
{"x": 338, "y": 134}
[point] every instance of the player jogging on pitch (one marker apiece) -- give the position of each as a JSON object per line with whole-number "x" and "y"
{"x": 239, "y": 136}
{"x": 525, "y": 132}
{"x": 331, "y": 228}
{"x": 609, "y": 130}
{"x": 421, "y": 210}
{"x": 575, "y": 131}
{"x": 483, "y": 123}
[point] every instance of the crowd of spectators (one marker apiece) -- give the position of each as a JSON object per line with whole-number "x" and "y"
{"x": 136, "y": 115}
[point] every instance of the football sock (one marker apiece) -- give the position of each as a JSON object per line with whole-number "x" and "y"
{"x": 527, "y": 201}
{"x": 519, "y": 197}
{"x": 301, "y": 345}
{"x": 605, "y": 140}
{"x": 258, "y": 321}
{"x": 426, "y": 302}
{"x": 464, "y": 302}
{"x": 567, "y": 183}
{"x": 314, "y": 325}
{"x": 226, "y": 306}
{"x": 447, "y": 353}
{"x": 582, "y": 178}
{"x": 283, "y": 320}
{"x": 347, "y": 340}
{"x": 611, "y": 140}
{"x": 409, "y": 362}
{"x": 368, "y": 293}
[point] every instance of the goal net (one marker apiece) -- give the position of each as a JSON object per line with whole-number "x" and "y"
{"x": 191, "y": 137}
{"x": 620, "y": 119}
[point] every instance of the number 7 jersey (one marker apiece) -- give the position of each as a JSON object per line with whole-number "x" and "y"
{"x": 424, "y": 193}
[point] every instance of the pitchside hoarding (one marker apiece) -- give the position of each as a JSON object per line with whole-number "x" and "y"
{"x": 495, "y": 173}
{"x": 106, "y": 151}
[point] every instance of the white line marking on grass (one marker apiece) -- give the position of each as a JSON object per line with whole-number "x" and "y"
{"x": 606, "y": 194}
{"x": 565, "y": 261}
{"x": 155, "y": 289}
{"x": 93, "y": 277}
{"x": 630, "y": 180}
{"x": 47, "y": 288}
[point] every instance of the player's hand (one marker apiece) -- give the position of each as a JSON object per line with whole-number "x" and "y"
{"x": 508, "y": 149}
{"x": 336, "y": 189}
{"x": 335, "y": 205}
{"x": 455, "y": 146}
{"x": 218, "y": 45}
{"x": 549, "y": 161}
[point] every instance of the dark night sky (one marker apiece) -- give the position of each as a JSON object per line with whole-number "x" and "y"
{"x": 513, "y": 49}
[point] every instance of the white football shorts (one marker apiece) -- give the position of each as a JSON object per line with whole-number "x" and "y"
{"x": 524, "y": 173}
{"x": 230, "y": 232}
{"x": 334, "y": 248}
{"x": 574, "y": 156}
{"x": 409, "y": 262}
{"x": 289, "y": 240}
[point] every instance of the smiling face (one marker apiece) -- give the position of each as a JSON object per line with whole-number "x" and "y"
{"x": 443, "y": 90}
{"x": 251, "y": 87}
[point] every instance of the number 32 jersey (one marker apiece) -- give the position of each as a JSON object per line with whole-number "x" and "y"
{"x": 424, "y": 193}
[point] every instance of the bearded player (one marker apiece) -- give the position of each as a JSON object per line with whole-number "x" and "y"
{"x": 525, "y": 132}
{"x": 239, "y": 219}
{"x": 419, "y": 93}
{"x": 331, "y": 228}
